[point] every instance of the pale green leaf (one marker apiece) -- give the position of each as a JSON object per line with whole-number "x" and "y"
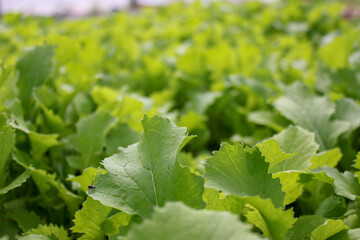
{"x": 112, "y": 224}
{"x": 345, "y": 184}
{"x": 50, "y": 230}
{"x": 40, "y": 143}
{"x": 268, "y": 118}
{"x": 328, "y": 229}
{"x": 35, "y": 237}
{"x": 273, "y": 222}
{"x": 348, "y": 110}
{"x": 328, "y": 158}
{"x": 312, "y": 113}
{"x": 299, "y": 141}
{"x": 89, "y": 139}
{"x": 147, "y": 174}
{"x": 176, "y": 221}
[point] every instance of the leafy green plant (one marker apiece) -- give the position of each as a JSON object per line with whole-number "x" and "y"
{"x": 216, "y": 121}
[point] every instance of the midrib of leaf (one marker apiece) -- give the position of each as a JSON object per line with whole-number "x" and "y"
{"x": 152, "y": 176}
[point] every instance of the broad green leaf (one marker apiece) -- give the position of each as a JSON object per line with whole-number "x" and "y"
{"x": 273, "y": 222}
{"x": 328, "y": 229}
{"x": 147, "y": 174}
{"x": 242, "y": 172}
{"x": 44, "y": 96}
{"x": 50, "y": 230}
{"x": 348, "y": 110}
{"x": 293, "y": 140}
{"x": 338, "y": 59}
{"x": 328, "y": 158}
{"x": 312, "y": 113}
{"x": 6, "y": 144}
{"x": 273, "y": 154}
{"x": 176, "y": 221}
{"x": 290, "y": 184}
{"x": 217, "y": 201}
{"x": 120, "y": 136}
{"x": 304, "y": 226}
{"x": 87, "y": 177}
{"x": 34, "y": 68}
{"x": 345, "y": 184}
{"x": 91, "y": 220}
{"x": 17, "y": 182}
{"x": 332, "y": 207}
{"x": 83, "y": 105}
{"x": 26, "y": 220}
{"x": 201, "y": 101}
{"x": 40, "y": 143}
{"x": 89, "y": 139}
{"x": 269, "y": 119}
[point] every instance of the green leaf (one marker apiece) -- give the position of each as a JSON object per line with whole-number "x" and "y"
{"x": 291, "y": 185}
{"x": 215, "y": 200}
{"x": 51, "y": 190}
{"x": 351, "y": 234}
{"x": 328, "y": 229}
{"x": 49, "y": 230}
{"x": 26, "y": 220}
{"x": 147, "y": 174}
{"x": 345, "y": 184}
{"x": 40, "y": 143}
{"x": 90, "y": 138}
{"x": 242, "y": 172}
{"x": 328, "y": 158}
{"x": 6, "y": 144}
{"x": 357, "y": 165}
{"x": 273, "y": 222}
{"x": 120, "y": 136}
{"x": 112, "y": 224}
{"x": 17, "y": 182}
{"x": 87, "y": 177}
{"x": 312, "y": 113}
{"x": 35, "y": 237}
{"x": 331, "y": 207}
{"x": 92, "y": 220}
{"x": 44, "y": 96}
{"x": 304, "y": 226}
{"x": 291, "y": 140}
{"x": 34, "y": 68}
{"x": 177, "y": 221}
{"x": 269, "y": 119}
{"x": 348, "y": 110}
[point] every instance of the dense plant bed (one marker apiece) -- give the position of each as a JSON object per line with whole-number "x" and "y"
{"x": 183, "y": 122}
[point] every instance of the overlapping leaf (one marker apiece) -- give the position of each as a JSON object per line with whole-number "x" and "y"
{"x": 147, "y": 174}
